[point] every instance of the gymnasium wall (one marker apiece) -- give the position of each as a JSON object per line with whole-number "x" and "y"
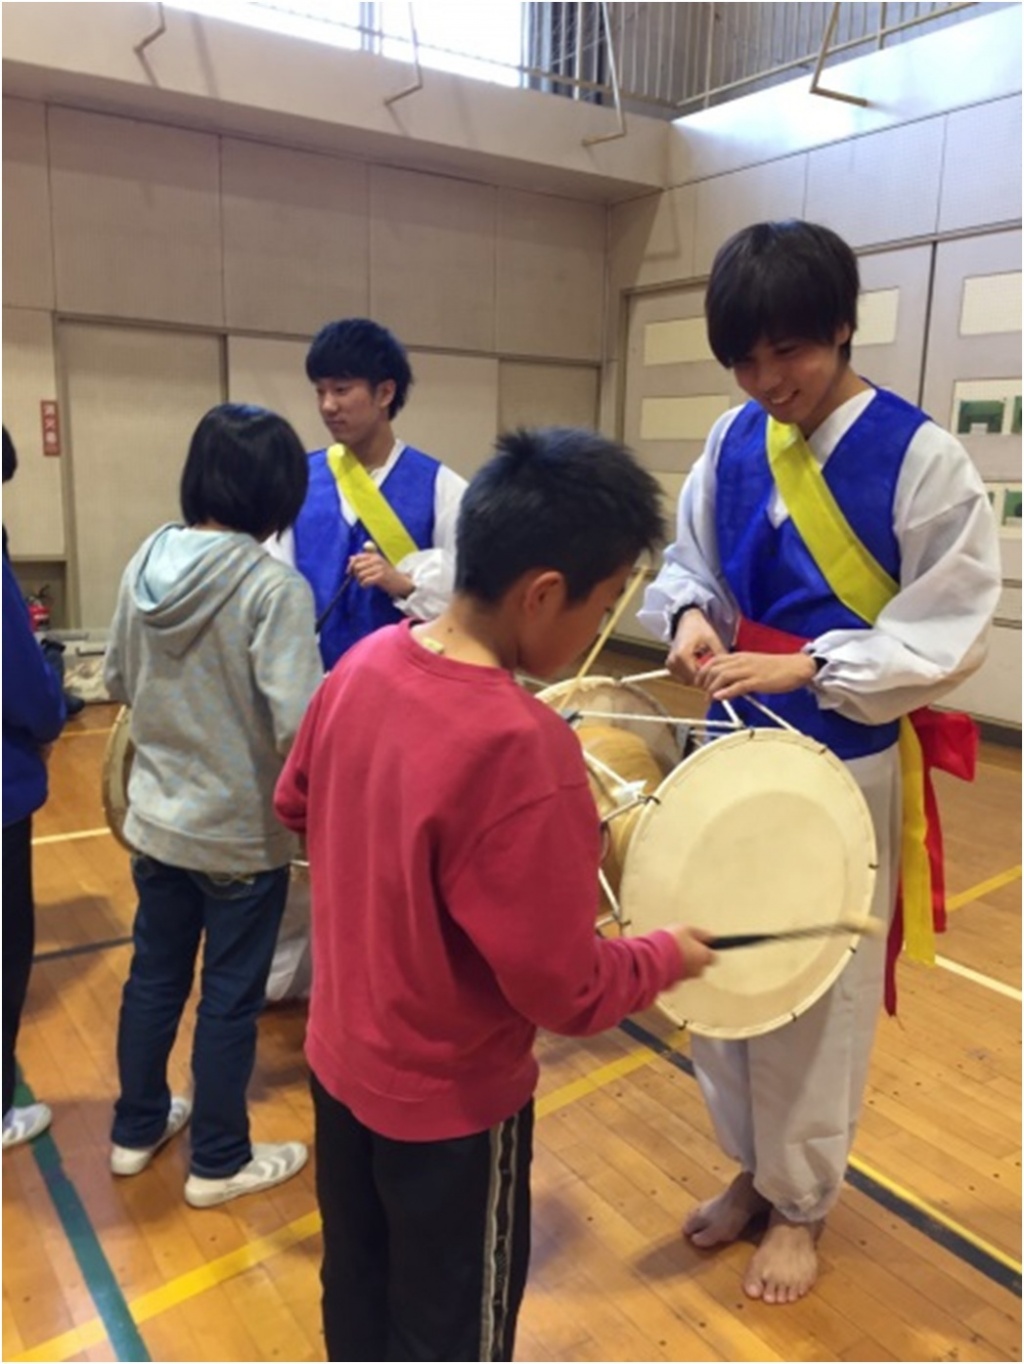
{"x": 178, "y": 220}
{"x": 925, "y": 183}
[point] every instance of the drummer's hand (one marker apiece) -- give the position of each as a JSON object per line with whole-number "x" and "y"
{"x": 695, "y": 640}
{"x": 371, "y": 569}
{"x": 692, "y": 944}
{"x": 726, "y": 676}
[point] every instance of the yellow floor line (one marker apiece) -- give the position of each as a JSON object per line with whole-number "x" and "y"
{"x": 228, "y": 1266}
{"x": 966, "y": 897}
{"x": 586, "y": 1084}
{"x": 935, "y": 1214}
{"x": 69, "y": 838}
{"x": 65, "y": 1346}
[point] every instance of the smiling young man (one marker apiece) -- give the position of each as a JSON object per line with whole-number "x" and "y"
{"x": 835, "y": 550}
{"x": 376, "y": 535}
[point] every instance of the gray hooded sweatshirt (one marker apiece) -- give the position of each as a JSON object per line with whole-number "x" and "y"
{"x": 213, "y": 647}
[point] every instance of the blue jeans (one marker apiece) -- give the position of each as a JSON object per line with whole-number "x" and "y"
{"x": 240, "y": 917}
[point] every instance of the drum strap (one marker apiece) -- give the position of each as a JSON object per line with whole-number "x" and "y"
{"x": 927, "y": 738}
{"x": 370, "y": 505}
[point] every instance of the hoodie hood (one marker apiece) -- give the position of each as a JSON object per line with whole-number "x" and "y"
{"x": 182, "y": 577}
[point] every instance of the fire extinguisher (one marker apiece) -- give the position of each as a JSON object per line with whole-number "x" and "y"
{"x": 39, "y": 609}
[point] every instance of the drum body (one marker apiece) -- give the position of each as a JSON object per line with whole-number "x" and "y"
{"x": 760, "y": 830}
{"x": 629, "y": 750}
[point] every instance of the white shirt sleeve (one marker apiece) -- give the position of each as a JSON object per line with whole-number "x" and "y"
{"x": 433, "y": 570}
{"x": 933, "y": 632}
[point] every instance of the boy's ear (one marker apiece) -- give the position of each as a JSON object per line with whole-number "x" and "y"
{"x": 844, "y": 334}
{"x": 544, "y": 592}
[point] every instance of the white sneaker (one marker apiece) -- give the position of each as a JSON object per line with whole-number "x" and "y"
{"x": 132, "y": 1160}
{"x": 272, "y": 1163}
{"x": 22, "y": 1124}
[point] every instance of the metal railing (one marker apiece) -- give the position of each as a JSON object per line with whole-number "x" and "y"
{"x": 659, "y": 59}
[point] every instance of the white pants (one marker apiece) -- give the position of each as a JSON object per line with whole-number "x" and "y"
{"x": 785, "y": 1104}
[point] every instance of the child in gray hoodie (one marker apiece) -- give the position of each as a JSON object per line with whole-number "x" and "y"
{"x": 213, "y": 646}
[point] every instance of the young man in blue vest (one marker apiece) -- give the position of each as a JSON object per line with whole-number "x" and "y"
{"x": 836, "y": 551}
{"x": 376, "y": 534}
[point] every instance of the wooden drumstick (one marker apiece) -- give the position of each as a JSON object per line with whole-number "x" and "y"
{"x": 868, "y": 928}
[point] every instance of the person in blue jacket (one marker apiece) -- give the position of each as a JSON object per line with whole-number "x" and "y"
{"x": 33, "y": 716}
{"x": 375, "y": 537}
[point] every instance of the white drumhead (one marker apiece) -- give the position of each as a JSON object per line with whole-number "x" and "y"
{"x": 762, "y": 830}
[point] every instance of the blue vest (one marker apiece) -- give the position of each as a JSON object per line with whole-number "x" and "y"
{"x": 324, "y": 542}
{"x": 770, "y": 570}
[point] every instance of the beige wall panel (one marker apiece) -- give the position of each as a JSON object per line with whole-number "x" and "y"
{"x": 551, "y": 275}
{"x": 688, "y": 394}
{"x": 34, "y": 500}
{"x": 981, "y": 167}
{"x": 954, "y": 358}
{"x": 432, "y": 259}
{"x": 135, "y": 397}
{"x": 994, "y": 692}
{"x": 650, "y": 242}
{"x": 28, "y": 245}
{"x": 452, "y": 410}
{"x": 136, "y": 213}
{"x": 896, "y": 364}
{"x": 546, "y": 395}
{"x": 272, "y": 373}
{"x": 730, "y": 202}
{"x": 296, "y": 238}
{"x": 878, "y": 188}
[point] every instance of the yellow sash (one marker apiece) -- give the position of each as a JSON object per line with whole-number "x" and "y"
{"x": 861, "y": 584}
{"x": 370, "y": 505}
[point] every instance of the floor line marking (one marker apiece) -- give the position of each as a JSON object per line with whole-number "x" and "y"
{"x": 70, "y": 838}
{"x": 115, "y": 1316}
{"x": 587, "y": 1084}
{"x": 966, "y": 897}
{"x": 1010, "y": 991}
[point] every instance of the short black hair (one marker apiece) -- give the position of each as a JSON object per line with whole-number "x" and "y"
{"x": 778, "y": 281}
{"x": 10, "y": 457}
{"x": 246, "y": 469}
{"x": 356, "y": 348}
{"x": 557, "y": 498}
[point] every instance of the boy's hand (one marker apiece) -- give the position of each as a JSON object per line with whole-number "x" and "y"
{"x": 692, "y": 943}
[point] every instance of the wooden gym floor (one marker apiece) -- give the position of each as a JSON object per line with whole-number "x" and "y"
{"x": 920, "y": 1261}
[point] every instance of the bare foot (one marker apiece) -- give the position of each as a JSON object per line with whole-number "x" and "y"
{"x": 725, "y": 1217}
{"x": 785, "y": 1264}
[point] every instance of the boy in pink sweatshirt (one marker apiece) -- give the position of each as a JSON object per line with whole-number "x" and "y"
{"x": 454, "y": 848}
